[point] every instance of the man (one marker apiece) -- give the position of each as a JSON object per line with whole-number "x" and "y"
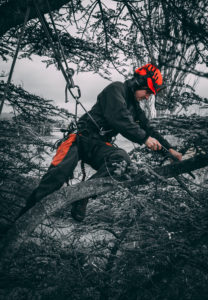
{"x": 117, "y": 110}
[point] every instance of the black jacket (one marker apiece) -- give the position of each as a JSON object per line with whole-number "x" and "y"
{"x": 117, "y": 111}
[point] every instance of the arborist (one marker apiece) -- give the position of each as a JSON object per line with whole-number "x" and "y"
{"x": 117, "y": 110}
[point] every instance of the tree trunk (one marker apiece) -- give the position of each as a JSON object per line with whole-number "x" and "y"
{"x": 28, "y": 222}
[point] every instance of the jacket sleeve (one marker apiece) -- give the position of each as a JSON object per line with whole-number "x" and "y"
{"x": 150, "y": 130}
{"x": 117, "y": 115}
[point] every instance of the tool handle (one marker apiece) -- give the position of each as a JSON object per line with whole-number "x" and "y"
{"x": 176, "y": 159}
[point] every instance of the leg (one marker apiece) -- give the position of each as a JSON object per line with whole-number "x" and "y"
{"x": 105, "y": 159}
{"x": 61, "y": 169}
{"x": 102, "y": 158}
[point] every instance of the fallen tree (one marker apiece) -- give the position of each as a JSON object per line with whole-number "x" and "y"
{"x": 28, "y": 222}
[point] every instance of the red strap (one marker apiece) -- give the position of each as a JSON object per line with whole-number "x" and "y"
{"x": 63, "y": 149}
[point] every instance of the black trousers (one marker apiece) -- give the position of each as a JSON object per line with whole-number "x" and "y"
{"x": 92, "y": 150}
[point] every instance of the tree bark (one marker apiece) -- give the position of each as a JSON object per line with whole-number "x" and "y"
{"x": 12, "y": 13}
{"x": 28, "y": 222}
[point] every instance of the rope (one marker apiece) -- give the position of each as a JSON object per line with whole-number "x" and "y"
{"x": 70, "y": 71}
{"x": 14, "y": 59}
{"x": 58, "y": 39}
{"x": 83, "y": 170}
{"x": 57, "y": 56}
{"x": 76, "y": 112}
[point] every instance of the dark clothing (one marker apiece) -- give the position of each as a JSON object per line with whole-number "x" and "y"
{"x": 116, "y": 111}
{"x": 98, "y": 154}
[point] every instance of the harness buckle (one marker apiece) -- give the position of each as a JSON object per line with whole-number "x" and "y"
{"x": 104, "y": 132}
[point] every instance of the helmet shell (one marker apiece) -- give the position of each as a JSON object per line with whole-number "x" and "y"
{"x": 153, "y": 77}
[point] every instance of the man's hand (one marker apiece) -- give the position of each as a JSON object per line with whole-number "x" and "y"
{"x": 177, "y": 154}
{"x": 153, "y": 144}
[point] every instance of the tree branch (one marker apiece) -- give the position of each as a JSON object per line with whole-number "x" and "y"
{"x": 12, "y": 12}
{"x": 28, "y": 222}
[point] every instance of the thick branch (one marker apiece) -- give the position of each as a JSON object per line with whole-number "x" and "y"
{"x": 28, "y": 222}
{"x": 12, "y": 13}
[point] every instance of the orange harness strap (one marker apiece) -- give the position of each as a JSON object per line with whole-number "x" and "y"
{"x": 63, "y": 149}
{"x": 108, "y": 144}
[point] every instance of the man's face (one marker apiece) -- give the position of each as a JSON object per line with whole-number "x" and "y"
{"x": 142, "y": 95}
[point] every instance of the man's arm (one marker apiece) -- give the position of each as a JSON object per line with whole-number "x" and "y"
{"x": 117, "y": 115}
{"x": 155, "y": 141}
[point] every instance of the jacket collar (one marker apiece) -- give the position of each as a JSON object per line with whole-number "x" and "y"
{"x": 129, "y": 91}
{"x": 130, "y": 94}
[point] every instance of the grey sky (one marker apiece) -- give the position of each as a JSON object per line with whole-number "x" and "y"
{"x": 50, "y": 84}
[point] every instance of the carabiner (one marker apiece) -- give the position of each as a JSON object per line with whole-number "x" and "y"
{"x": 78, "y": 92}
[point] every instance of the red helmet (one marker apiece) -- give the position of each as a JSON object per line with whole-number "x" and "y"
{"x": 153, "y": 76}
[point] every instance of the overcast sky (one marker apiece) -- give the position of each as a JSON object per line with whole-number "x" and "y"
{"x": 50, "y": 84}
